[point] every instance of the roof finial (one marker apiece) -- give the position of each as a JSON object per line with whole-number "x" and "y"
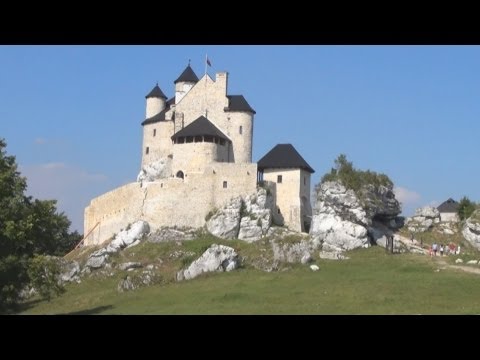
{"x": 157, "y": 83}
{"x": 189, "y": 62}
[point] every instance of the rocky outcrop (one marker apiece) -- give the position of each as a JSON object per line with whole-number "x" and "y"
{"x": 123, "y": 239}
{"x": 423, "y": 219}
{"x": 159, "y": 169}
{"x": 70, "y": 271}
{"x": 246, "y": 218}
{"x": 135, "y": 281}
{"x": 172, "y": 234}
{"x": 344, "y": 221}
{"x": 215, "y": 258}
{"x": 299, "y": 252}
{"x": 471, "y": 229}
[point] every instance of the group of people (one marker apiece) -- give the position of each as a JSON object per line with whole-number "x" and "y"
{"x": 447, "y": 249}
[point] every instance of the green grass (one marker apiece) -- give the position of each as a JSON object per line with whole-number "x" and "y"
{"x": 371, "y": 282}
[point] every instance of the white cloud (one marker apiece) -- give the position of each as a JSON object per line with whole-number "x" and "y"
{"x": 72, "y": 186}
{"x": 405, "y": 196}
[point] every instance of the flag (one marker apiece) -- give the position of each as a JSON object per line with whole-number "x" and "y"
{"x": 208, "y": 61}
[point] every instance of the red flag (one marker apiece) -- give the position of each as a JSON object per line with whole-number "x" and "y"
{"x": 208, "y": 62}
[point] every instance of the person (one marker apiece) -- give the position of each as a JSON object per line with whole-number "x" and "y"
{"x": 458, "y": 250}
{"x": 434, "y": 247}
{"x": 441, "y": 250}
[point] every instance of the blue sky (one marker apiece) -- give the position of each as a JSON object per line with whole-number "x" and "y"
{"x": 71, "y": 114}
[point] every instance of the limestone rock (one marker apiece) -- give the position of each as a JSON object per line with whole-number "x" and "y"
{"x": 458, "y": 261}
{"x": 314, "y": 267}
{"x": 127, "y": 237}
{"x": 472, "y": 262}
{"x": 172, "y": 234}
{"x": 159, "y": 169}
{"x": 299, "y": 252}
{"x": 250, "y": 230}
{"x": 70, "y": 271}
{"x": 471, "y": 229}
{"x": 225, "y": 223}
{"x": 215, "y": 258}
{"x": 129, "y": 265}
{"x": 423, "y": 219}
{"x": 332, "y": 255}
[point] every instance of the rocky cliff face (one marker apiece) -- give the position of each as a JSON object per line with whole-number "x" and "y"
{"x": 246, "y": 219}
{"x": 423, "y": 219}
{"x": 471, "y": 229}
{"x": 159, "y": 169}
{"x": 344, "y": 221}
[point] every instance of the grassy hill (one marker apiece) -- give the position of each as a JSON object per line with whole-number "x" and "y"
{"x": 371, "y": 282}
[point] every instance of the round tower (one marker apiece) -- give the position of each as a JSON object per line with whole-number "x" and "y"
{"x": 156, "y": 101}
{"x": 184, "y": 83}
{"x": 155, "y": 128}
{"x": 240, "y": 127}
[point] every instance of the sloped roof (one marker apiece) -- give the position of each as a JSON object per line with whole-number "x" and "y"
{"x": 156, "y": 118}
{"x": 283, "y": 156}
{"x": 449, "y": 206}
{"x": 201, "y": 126}
{"x": 187, "y": 76}
{"x": 156, "y": 92}
{"x": 171, "y": 101}
{"x": 238, "y": 103}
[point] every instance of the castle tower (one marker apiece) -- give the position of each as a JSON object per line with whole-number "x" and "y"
{"x": 284, "y": 166}
{"x": 156, "y": 130}
{"x": 240, "y": 127}
{"x": 184, "y": 83}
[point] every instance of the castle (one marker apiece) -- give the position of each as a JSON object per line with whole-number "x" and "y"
{"x": 196, "y": 156}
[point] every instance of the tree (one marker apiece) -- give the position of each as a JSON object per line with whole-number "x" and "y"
{"x": 28, "y": 227}
{"x": 465, "y": 208}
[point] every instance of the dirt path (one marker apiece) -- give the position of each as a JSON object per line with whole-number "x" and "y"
{"x": 445, "y": 265}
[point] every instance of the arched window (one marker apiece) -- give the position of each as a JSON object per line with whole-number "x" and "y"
{"x": 180, "y": 174}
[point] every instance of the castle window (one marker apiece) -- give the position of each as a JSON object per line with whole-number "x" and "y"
{"x": 222, "y": 141}
{"x": 180, "y": 175}
{"x": 225, "y": 184}
{"x": 240, "y": 130}
{"x": 198, "y": 139}
{"x": 154, "y": 132}
{"x": 180, "y": 140}
{"x": 279, "y": 179}
{"x": 208, "y": 138}
{"x": 189, "y": 139}
{"x": 147, "y": 150}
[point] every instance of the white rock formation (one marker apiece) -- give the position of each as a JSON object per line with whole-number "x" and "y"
{"x": 225, "y": 223}
{"x": 247, "y": 219}
{"x": 215, "y": 258}
{"x": 159, "y": 169}
{"x": 471, "y": 229}
{"x": 314, "y": 267}
{"x": 342, "y": 222}
{"x": 423, "y": 219}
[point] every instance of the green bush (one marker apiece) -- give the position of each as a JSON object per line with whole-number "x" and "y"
{"x": 354, "y": 179}
{"x": 465, "y": 208}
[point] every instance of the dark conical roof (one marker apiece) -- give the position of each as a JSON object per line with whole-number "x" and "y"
{"x": 283, "y": 156}
{"x": 156, "y": 92}
{"x": 238, "y": 103}
{"x": 201, "y": 126}
{"x": 187, "y": 76}
{"x": 448, "y": 206}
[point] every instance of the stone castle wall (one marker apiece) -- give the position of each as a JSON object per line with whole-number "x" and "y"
{"x": 168, "y": 202}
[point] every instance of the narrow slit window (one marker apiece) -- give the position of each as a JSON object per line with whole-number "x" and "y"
{"x": 154, "y": 132}
{"x": 147, "y": 150}
{"x": 225, "y": 185}
{"x": 279, "y": 179}
{"x": 240, "y": 130}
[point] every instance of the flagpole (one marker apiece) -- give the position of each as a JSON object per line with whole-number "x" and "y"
{"x": 205, "y": 98}
{"x": 206, "y": 58}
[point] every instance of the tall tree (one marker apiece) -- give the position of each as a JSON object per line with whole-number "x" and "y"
{"x": 465, "y": 208}
{"x": 28, "y": 227}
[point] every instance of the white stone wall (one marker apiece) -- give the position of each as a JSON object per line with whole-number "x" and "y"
{"x": 154, "y": 106}
{"x": 288, "y": 195}
{"x": 168, "y": 202}
{"x": 181, "y": 89}
{"x": 193, "y": 157}
{"x": 449, "y": 217}
{"x": 242, "y": 142}
{"x": 159, "y": 145}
